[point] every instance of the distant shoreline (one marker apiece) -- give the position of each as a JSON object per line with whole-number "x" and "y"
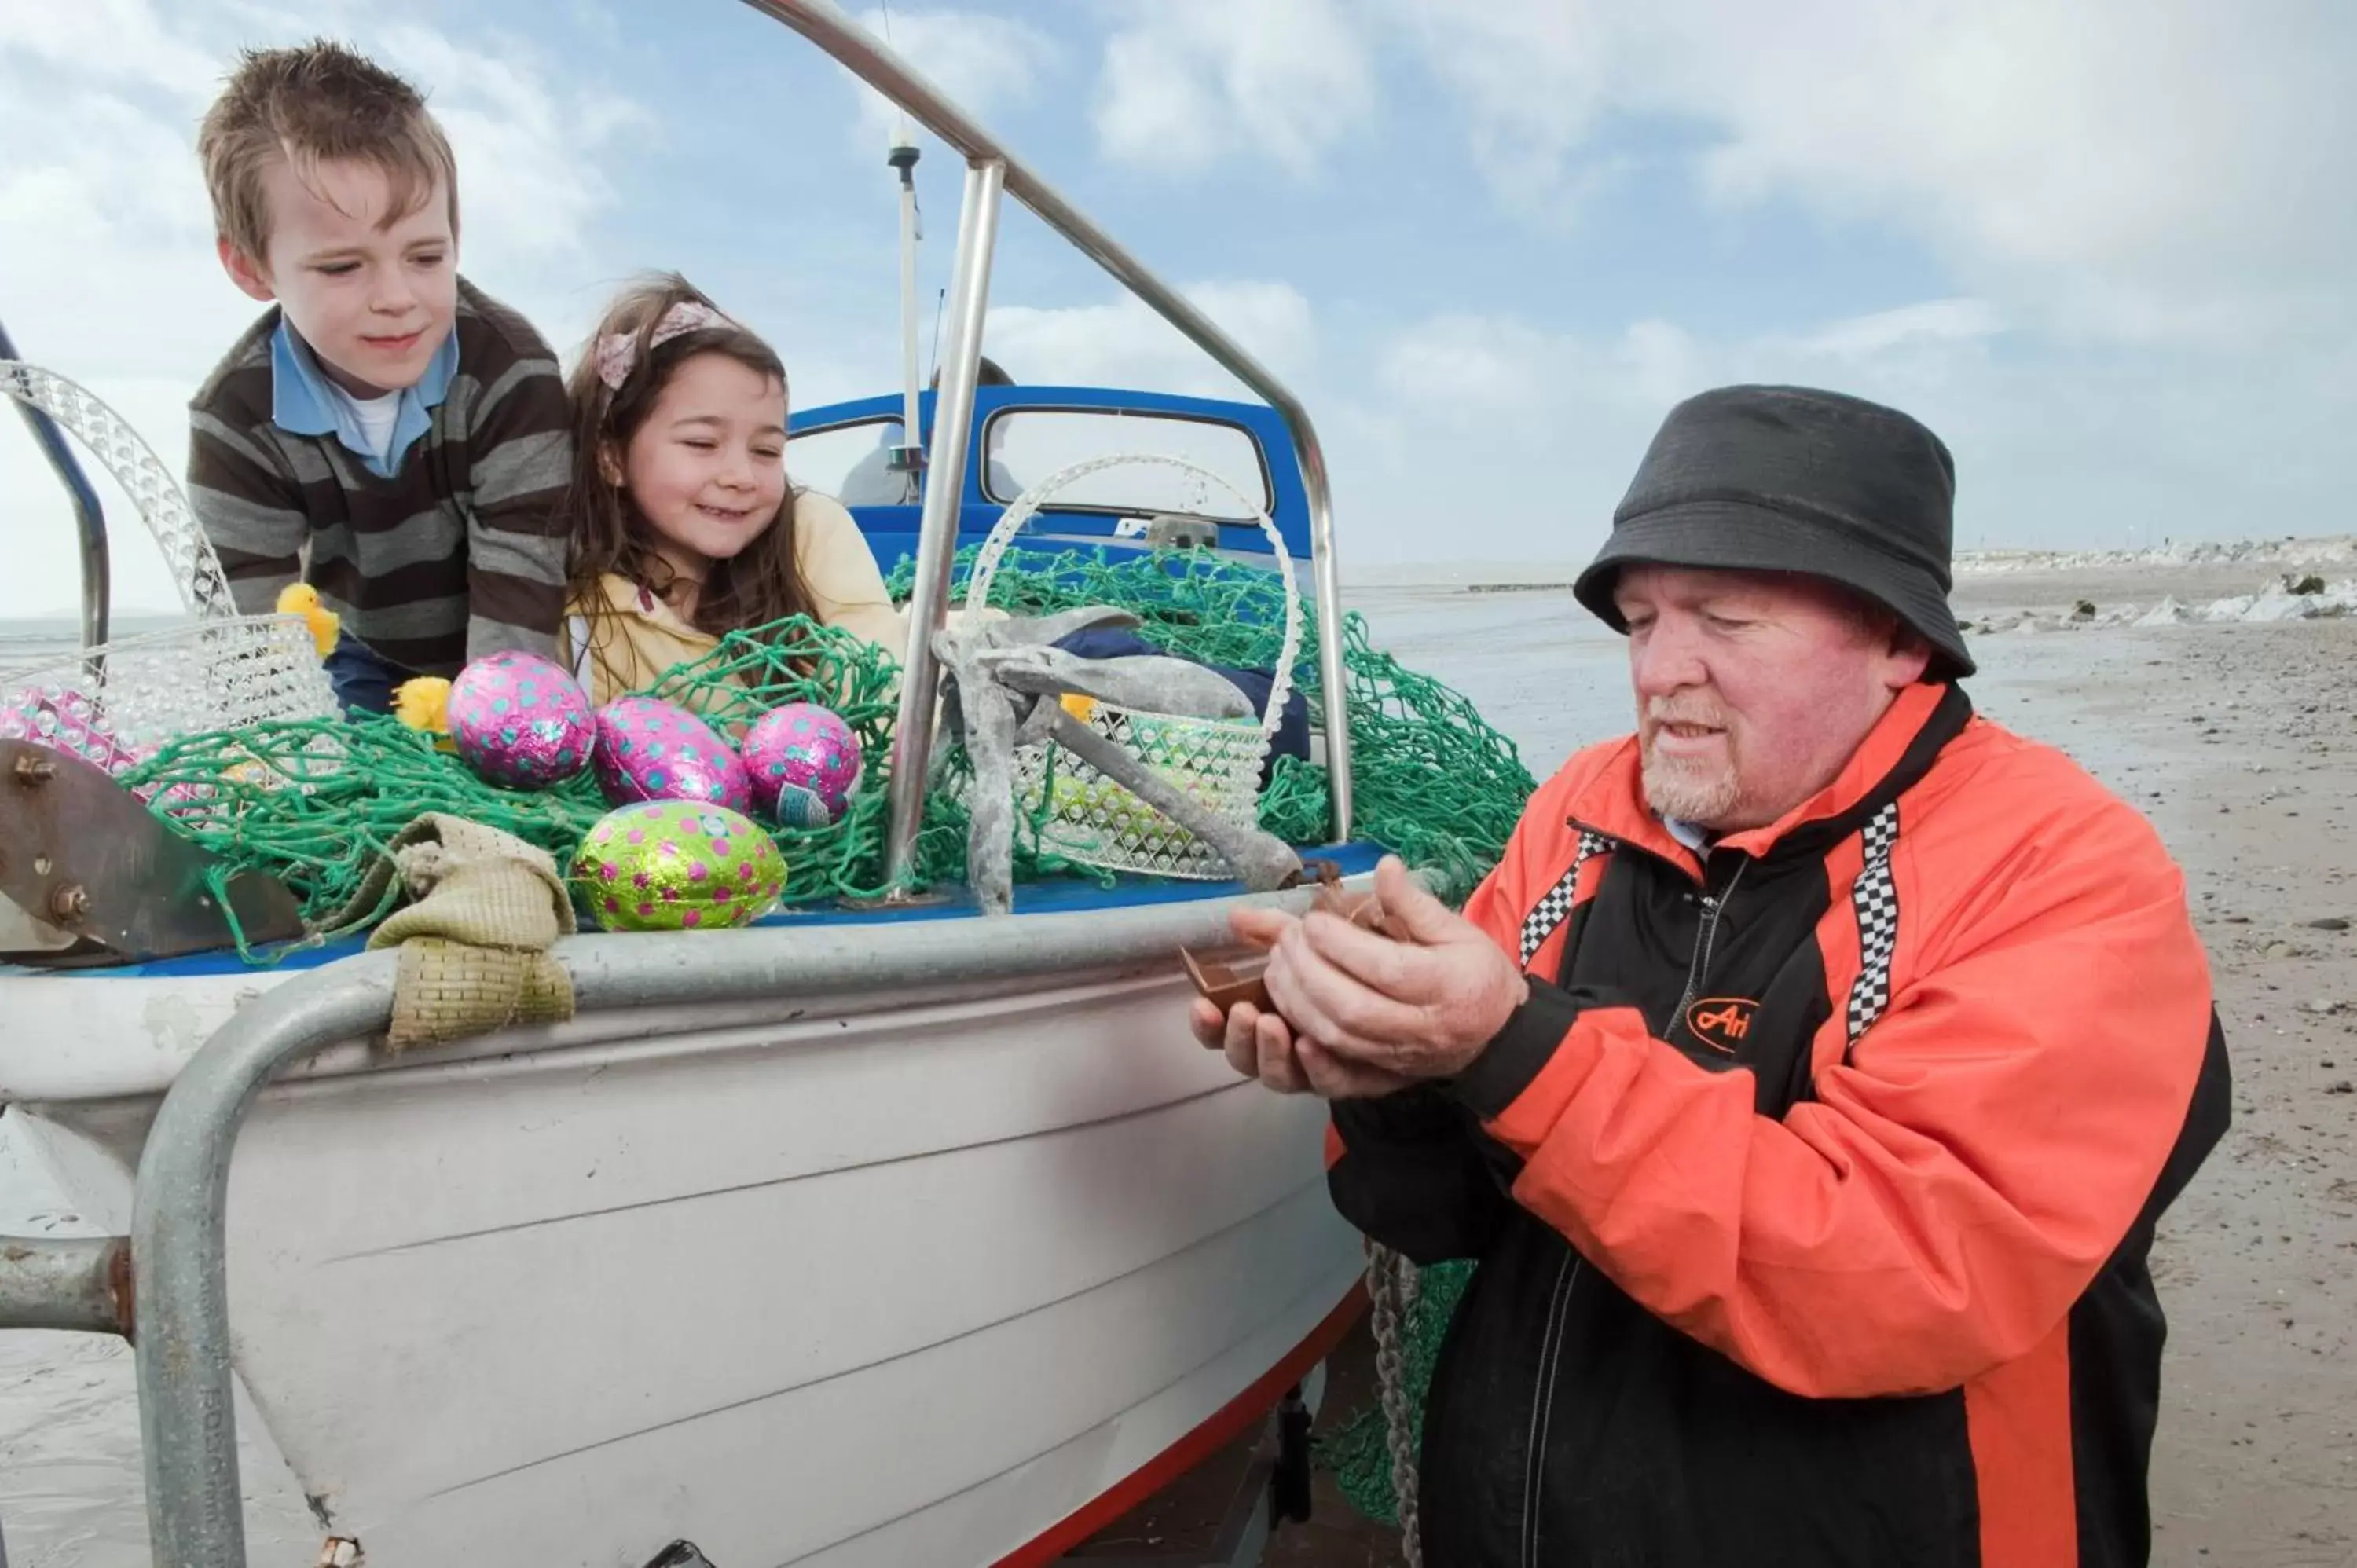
{"x": 2334, "y": 554}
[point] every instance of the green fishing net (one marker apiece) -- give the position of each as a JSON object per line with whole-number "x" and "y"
{"x": 1430, "y": 779}
{"x": 315, "y": 802}
{"x": 1357, "y": 1449}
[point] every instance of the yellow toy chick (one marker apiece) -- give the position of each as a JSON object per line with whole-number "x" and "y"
{"x": 303, "y": 599}
{"x": 423, "y": 702}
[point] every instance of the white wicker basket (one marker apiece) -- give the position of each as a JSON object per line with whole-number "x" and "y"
{"x": 1095, "y": 821}
{"x": 223, "y": 670}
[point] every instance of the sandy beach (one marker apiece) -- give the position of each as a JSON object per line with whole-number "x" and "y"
{"x": 2240, "y": 742}
{"x": 2237, "y": 737}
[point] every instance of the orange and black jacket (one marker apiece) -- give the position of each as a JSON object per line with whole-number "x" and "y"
{"x": 1812, "y": 1186}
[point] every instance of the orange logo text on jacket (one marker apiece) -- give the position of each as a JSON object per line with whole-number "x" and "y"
{"x": 1721, "y": 1022}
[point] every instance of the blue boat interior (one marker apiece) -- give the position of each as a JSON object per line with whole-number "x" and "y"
{"x": 891, "y": 530}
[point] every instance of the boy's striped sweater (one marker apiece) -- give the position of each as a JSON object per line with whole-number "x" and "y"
{"x": 459, "y": 554}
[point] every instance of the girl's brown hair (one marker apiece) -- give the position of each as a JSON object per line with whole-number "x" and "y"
{"x": 760, "y": 583}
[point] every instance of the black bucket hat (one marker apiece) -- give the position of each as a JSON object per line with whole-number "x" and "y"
{"x": 1791, "y": 479}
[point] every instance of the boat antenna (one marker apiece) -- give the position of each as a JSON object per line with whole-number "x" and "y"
{"x": 900, "y": 155}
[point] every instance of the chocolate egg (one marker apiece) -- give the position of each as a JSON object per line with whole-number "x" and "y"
{"x": 520, "y": 720}
{"x": 804, "y": 762}
{"x": 649, "y": 750}
{"x": 674, "y": 865}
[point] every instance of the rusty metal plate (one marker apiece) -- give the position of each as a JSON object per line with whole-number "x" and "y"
{"x": 81, "y": 854}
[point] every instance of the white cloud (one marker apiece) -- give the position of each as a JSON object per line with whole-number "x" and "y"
{"x": 1124, "y": 344}
{"x": 2137, "y": 168}
{"x": 1185, "y": 86}
{"x": 1462, "y": 365}
{"x": 1935, "y": 321}
{"x": 984, "y": 64}
{"x": 1535, "y": 78}
{"x": 526, "y": 143}
{"x": 1514, "y": 375}
{"x": 1515, "y": 439}
{"x": 1495, "y": 436}
{"x": 108, "y": 274}
{"x": 1505, "y": 373}
{"x": 140, "y": 51}
{"x": 1659, "y": 362}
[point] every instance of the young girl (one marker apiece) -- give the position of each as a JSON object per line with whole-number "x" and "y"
{"x": 683, "y": 525}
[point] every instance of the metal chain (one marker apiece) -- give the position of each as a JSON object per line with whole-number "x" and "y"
{"x": 1391, "y": 1291}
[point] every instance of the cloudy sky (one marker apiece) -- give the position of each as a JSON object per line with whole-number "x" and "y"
{"x": 2104, "y": 248}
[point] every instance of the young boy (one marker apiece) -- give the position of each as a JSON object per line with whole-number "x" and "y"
{"x": 386, "y": 432}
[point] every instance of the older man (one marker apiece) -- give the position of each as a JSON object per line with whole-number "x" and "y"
{"x": 1807, "y": 1079}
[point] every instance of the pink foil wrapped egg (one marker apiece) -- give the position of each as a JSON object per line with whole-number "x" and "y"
{"x": 649, "y": 750}
{"x": 804, "y": 760}
{"x": 520, "y": 720}
{"x": 65, "y": 720}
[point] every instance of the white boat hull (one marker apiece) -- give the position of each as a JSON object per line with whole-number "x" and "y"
{"x": 832, "y": 1279}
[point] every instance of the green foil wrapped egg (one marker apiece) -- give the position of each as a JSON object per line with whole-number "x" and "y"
{"x": 672, "y": 865}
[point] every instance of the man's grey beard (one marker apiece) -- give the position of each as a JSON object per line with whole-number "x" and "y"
{"x": 1704, "y": 797}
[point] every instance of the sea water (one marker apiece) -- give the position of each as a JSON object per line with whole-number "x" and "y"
{"x": 48, "y": 642}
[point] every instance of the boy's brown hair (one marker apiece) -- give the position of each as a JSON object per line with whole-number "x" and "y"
{"x": 311, "y": 104}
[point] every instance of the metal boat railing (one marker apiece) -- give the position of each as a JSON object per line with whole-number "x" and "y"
{"x": 89, "y": 518}
{"x": 991, "y": 170}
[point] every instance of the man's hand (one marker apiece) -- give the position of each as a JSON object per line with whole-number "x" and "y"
{"x": 1365, "y": 1015}
{"x": 1260, "y": 1045}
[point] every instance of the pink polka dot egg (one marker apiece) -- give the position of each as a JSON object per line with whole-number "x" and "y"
{"x": 677, "y": 866}
{"x": 804, "y": 762}
{"x": 649, "y": 750}
{"x": 520, "y": 720}
{"x": 65, "y": 720}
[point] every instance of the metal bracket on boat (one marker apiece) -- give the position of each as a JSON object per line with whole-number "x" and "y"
{"x": 81, "y": 854}
{"x": 72, "y": 1283}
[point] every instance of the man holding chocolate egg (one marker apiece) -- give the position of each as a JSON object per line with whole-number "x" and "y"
{"x": 1807, "y": 1079}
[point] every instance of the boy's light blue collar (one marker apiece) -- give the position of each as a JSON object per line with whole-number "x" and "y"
{"x": 303, "y": 401}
